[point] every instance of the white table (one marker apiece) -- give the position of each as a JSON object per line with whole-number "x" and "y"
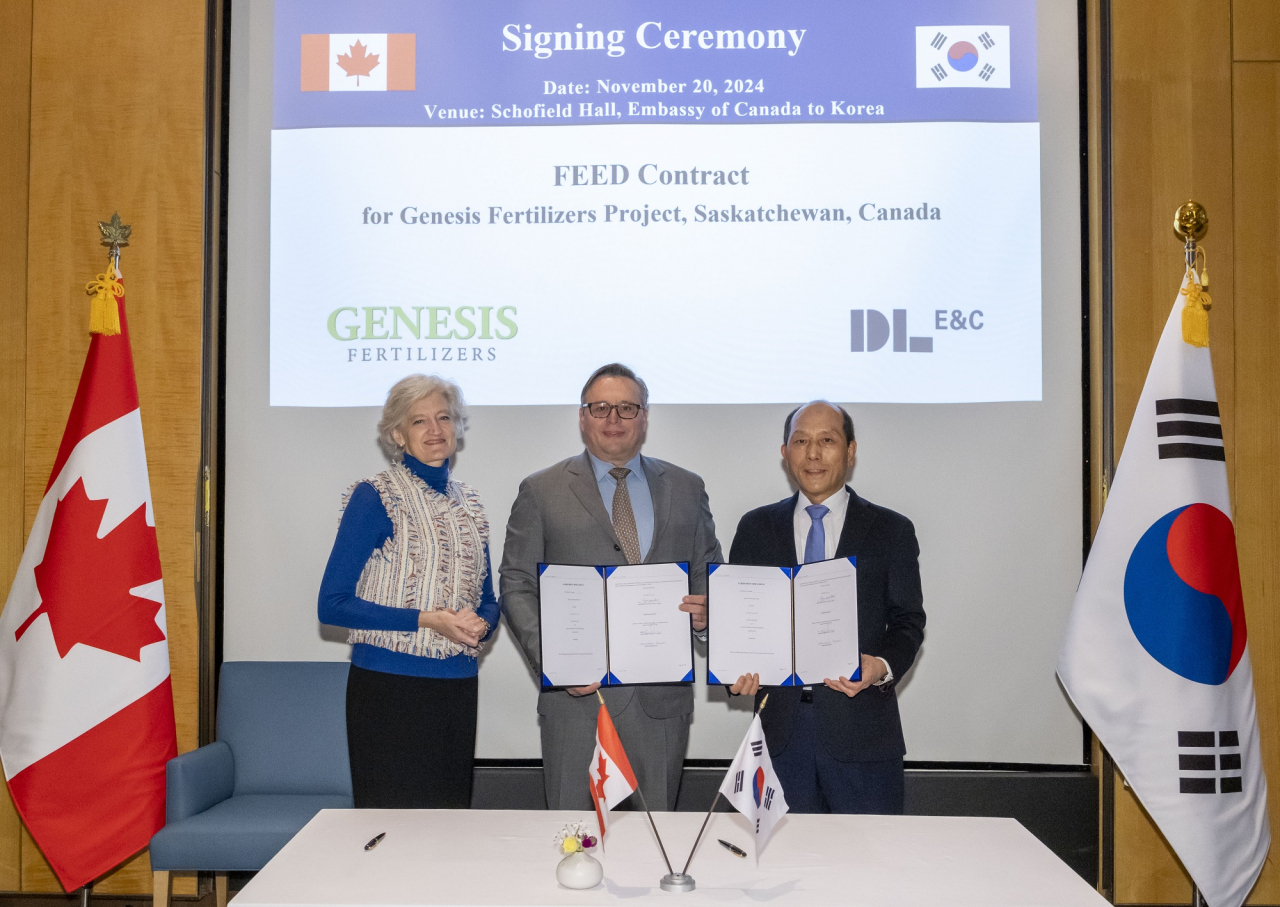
{"x": 506, "y": 858}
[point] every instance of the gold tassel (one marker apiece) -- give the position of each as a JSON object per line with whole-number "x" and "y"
{"x": 1195, "y": 314}
{"x": 104, "y": 310}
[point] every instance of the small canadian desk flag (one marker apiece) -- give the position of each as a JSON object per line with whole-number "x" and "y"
{"x": 1156, "y": 656}
{"x": 610, "y": 774}
{"x": 86, "y": 706}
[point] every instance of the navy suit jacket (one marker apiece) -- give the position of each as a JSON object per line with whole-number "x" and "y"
{"x": 866, "y": 727}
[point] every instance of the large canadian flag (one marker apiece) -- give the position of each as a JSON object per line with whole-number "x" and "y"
{"x": 609, "y": 774}
{"x": 1156, "y": 656}
{"x": 86, "y": 706}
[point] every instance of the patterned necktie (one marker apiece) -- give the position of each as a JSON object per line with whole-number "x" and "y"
{"x": 624, "y": 520}
{"x": 815, "y": 546}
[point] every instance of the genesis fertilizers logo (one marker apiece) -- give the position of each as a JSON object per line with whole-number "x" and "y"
{"x": 1182, "y": 594}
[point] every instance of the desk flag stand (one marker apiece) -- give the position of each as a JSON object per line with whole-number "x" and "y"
{"x": 682, "y": 881}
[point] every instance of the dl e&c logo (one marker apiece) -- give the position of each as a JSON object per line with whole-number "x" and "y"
{"x": 870, "y": 330}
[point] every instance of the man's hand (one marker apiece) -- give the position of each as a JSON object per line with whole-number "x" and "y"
{"x": 747, "y": 685}
{"x": 872, "y": 672}
{"x": 464, "y": 627}
{"x": 696, "y": 605}
{"x": 582, "y": 691}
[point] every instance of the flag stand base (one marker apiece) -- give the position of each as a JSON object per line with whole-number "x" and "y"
{"x": 677, "y": 881}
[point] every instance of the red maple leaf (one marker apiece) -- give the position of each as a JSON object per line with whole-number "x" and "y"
{"x": 602, "y": 769}
{"x": 84, "y": 581}
{"x": 359, "y": 62}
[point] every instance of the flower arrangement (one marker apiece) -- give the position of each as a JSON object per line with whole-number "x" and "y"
{"x": 575, "y": 838}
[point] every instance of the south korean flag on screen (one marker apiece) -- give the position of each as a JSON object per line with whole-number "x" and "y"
{"x": 962, "y": 56}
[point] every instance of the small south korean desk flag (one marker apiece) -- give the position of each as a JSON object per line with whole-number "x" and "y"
{"x": 609, "y": 773}
{"x": 1156, "y": 656}
{"x": 751, "y": 786}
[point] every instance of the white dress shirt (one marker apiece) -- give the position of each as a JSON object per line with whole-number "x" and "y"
{"x": 832, "y": 525}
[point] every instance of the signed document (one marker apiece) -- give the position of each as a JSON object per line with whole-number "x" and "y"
{"x": 650, "y": 638}
{"x": 614, "y": 625}
{"x": 752, "y": 624}
{"x": 826, "y": 621}
{"x": 575, "y": 649}
{"x": 793, "y": 626}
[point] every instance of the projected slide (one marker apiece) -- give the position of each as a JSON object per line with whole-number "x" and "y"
{"x": 749, "y": 202}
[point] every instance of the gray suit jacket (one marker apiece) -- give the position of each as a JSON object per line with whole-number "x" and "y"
{"x": 559, "y": 518}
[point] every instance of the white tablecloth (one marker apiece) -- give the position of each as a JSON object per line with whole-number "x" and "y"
{"x": 506, "y": 858}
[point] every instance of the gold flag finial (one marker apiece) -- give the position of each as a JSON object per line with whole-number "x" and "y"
{"x": 1190, "y": 223}
{"x": 114, "y": 233}
{"x": 104, "y": 310}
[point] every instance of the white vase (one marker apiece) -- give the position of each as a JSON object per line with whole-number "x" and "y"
{"x": 579, "y": 870}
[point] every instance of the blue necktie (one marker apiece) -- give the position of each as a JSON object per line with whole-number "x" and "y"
{"x": 815, "y": 546}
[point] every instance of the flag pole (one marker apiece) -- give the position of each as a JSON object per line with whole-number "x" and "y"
{"x": 707, "y": 818}
{"x": 670, "y": 872}
{"x": 665, "y": 859}
{"x": 698, "y": 839}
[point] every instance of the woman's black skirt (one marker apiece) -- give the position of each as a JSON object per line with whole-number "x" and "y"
{"x": 412, "y": 740}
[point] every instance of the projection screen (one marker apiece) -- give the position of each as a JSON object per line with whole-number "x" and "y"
{"x": 753, "y": 204}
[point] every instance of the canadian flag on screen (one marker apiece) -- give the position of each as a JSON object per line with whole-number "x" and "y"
{"x": 86, "y": 705}
{"x": 359, "y": 62}
{"x": 610, "y": 774}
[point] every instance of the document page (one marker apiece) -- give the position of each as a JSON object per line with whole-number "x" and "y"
{"x": 752, "y": 615}
{"x": 571, "y": 608}
{"x": 649, "y": 636}
{"x": 826, "y": 622}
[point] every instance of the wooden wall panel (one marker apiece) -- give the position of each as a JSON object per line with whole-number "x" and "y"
{"x": 1202, "y": 126}
{"x": 15, "y": 113}
{"x": 1171, "y": 132}
{"x": 1257, "y": 29}
{"x": 1172, "y": 141}
{"x": 1147, "y": 872}
{"x": 121, "y": 131}
{"x": 1256, "y": 102}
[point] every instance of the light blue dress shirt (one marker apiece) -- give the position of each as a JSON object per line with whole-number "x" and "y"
{"x": 637, "y": 488}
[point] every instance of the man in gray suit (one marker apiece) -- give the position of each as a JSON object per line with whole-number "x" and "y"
{"x": 609, "y": 506}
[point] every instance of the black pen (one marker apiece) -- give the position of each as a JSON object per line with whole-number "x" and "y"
{"x": 374, "y": 843}
{"x": 736, "y": 851}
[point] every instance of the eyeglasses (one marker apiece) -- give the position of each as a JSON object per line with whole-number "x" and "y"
{"x": 601, "y": 410}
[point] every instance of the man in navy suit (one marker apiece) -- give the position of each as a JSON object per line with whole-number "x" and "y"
{"x": 839, "y": 747}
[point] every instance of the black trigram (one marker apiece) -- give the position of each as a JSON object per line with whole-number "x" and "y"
{"x": 1206, "y": 425}
{"x": 737, "y": 783}
{"x": 1216, "y": 762}
{"x": 985, "y": 38}
{"x": 757, "y": 747}
{"x": 757, "y": 825}
{"x": 768, "y": 797}
{"x": 938, "y": 72}
{"x": 938, "y": 40}
{"x": 986, "y": 72}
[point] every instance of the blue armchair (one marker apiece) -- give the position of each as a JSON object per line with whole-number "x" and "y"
{"x": 280, "y": 757}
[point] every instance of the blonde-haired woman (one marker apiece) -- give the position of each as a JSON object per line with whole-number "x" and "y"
{"x": 409, "y": 576}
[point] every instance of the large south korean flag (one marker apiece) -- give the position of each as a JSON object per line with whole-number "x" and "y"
{"x": 1156, "y": 656}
